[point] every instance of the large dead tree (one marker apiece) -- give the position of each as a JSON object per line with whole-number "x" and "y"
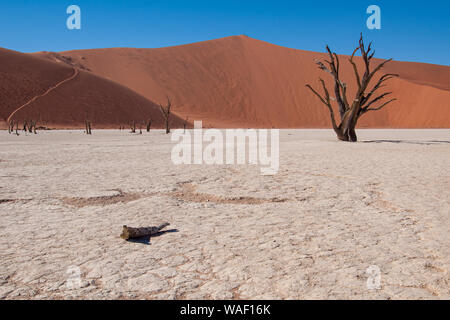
{"x": 365, "y": 99}
{"x": 165, "y": 110}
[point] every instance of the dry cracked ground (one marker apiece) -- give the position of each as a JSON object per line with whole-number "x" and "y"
{"x": 333, "y": 210}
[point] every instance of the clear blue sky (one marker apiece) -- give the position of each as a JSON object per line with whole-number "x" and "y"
{"x": 411, "y": 30}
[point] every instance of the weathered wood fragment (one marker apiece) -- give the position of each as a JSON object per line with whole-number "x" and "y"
{"x": 132, "y": 233}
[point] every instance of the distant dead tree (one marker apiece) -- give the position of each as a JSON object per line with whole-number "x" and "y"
{"x": 88, "y": 127}
{"x": 140, "y": 127}
{"x": 32, "y": 126}
{"x": 88, "y": 123}
{"x": 149, "y": 124}
{"x": 184, "y": 124}
{"x": 17, "y": 127}
{"x": 28, "y": 126}
{"x": 133, "y": 127}
{"x": 350, "y": 112}
{"x": 10, "y": 127}
{"x": 165, "y": 110}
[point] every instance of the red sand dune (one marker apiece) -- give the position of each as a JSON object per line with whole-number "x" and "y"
{"x": 242, "y": 82}
{"x": 59, "y": 95}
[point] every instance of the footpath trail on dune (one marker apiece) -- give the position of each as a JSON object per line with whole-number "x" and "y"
{"x": 61, "y": 95}
{"x": 73, "y": 76}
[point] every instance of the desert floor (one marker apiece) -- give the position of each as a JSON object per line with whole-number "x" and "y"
{"x": 333, "y": 210}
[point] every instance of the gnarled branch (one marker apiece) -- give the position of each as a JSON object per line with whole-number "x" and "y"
{"x": 326, "y": 101}
{"x": 380, "y": 107}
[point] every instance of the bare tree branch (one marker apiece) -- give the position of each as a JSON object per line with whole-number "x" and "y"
{"x": 382, "y": 106}
{"x": 326, "y": 102}
{"x": 379, "y": 85}
{"x": 355, "y": 69}
{"x": 375, "y": 100}
{"x": 317, "y": 94}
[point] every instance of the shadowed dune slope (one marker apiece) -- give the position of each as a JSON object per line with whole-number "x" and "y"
{"x": 240, "y": 81}
{"x": 63, "y": 96}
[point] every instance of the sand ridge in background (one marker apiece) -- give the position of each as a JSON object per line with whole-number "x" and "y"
{"x": 230, "y": 82}
{"x": 243, "y": 82}
{"x": 59, "y": 98}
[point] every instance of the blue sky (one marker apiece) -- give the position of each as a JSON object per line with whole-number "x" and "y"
{"x": 411, "y": 30}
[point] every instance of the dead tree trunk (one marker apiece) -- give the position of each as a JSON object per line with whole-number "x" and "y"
{"x": 133, "y": 127}
{"x": 165, "y": 110}
{"x": 149, "y": 124}
{"x": 184, "y": 125}
{"x": 31, "y": 126}
{"x": 88, "y": 127}
{"x": 350, "y": 112}
{"x": 132, "y": 233}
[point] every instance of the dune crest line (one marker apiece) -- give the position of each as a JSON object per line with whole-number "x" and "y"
{"x": 75, "y": 73}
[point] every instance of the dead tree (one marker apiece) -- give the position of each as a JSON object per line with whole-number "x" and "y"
{"x": 133, "y": 127}
{"x": 351, "y": 111}
{"x": 88, "y": 127}
{"x": 140, "y": 127}
{"x": 31, "y": 126}
{"x": 149, "y": 124}
{"x": 165, "y": 110}
{"x": 17, "y": 128}
{"x": 88, "y": 122}
{"x": 184, "y": 124}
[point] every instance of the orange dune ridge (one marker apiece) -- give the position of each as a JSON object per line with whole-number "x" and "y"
{"x": 59, "y": 95}
{"x": 243, "y": 82}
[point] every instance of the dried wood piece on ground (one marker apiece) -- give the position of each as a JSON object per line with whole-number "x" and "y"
{"x": 131, "y": 233}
